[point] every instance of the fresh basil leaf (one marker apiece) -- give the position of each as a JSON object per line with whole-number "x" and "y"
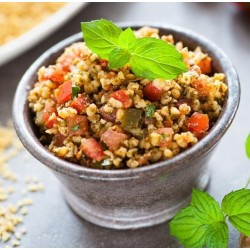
{"x": 75, "y": 91}
{"x": 189, "y": 230}
{"x": 217, "y": 235}
{"x": 149, "y": 110}
{"x": 75, "y": 128}
{"x": 236, "y": 205}
{"x": 154, "y": 58}
{"x": 248, "y": 146}
{"x": 194, "y": 225}
{"x": 101, "y": 36}
{"x": 207, "y": 205}
{"x": 127, "y": 39}
{"x": 241, "y": 223}
{"x": 118, "y": 58}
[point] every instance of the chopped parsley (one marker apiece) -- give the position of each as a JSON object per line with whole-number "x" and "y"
{"x": 75, "y": 91}
{"x": 75, "y": 128}
{"x": 150, "y": 109}
{"x": 164, "y": 136}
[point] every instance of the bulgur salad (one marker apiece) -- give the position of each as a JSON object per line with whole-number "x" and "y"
{"x": 109, "y": 118}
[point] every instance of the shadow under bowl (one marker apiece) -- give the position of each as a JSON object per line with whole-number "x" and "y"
{"x": 130, "y": 198}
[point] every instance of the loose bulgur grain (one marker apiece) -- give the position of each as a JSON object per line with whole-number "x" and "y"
{"x": 11, "y": 209}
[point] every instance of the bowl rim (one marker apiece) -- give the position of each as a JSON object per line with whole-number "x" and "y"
{"x": 32, "y": 144}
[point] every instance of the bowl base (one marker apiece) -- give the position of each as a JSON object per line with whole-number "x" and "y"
{"x": 123, "y": 219}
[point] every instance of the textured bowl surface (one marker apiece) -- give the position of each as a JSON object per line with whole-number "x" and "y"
{"x": 131, "y": 198}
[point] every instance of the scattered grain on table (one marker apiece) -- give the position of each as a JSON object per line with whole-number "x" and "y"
{"x": 13, "y": 200}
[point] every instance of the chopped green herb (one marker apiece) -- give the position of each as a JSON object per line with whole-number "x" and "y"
{"x": 150, "y": 109}
{"x": 75, "y": 128}
{"x": 102, "y": 164}
{"x": 75, "y": 91}
{"x": 148, "y": 57}
{"x": 164, "y": 136}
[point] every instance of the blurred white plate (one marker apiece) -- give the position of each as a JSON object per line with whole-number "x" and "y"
{"x": 29, "y": 39}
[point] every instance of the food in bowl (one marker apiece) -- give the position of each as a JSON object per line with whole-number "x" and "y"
{"x": 106, "y": 118}
{"x": 156, "y": 191}
{"x": 18, "y": 18}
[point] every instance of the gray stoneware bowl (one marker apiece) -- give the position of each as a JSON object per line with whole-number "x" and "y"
{"x": 131, "y": 198}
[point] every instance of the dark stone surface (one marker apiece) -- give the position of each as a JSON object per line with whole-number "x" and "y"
{"x": 50, "y": 222}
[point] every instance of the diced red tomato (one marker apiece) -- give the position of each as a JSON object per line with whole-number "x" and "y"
{"x": 152, "y": 92}
{"x": 66, "y": 60}
{"x": 121, "y": 96}
{"x": 205, "y": 65}
{"x": 47, "y": 112}
{"x": 198, "y": 123}
{"x": 167, "y": 134}
{"x": 77, "y": 125}
{"x": 53, "y": 73}
{"x": 113, "y": 139}
{"x": 103, "y": 63}
{"x": 202, "y": 87}
{"x": 64, "y": 92}
{"x": 51, "y": 121}
{"x": 80, "y": 103}
{"x": 92, "y": 149}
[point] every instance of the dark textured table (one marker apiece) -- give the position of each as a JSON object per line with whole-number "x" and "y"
{"x": 50, "y": 222}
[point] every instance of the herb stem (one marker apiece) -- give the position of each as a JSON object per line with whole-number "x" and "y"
{"x": 248, "y": 182}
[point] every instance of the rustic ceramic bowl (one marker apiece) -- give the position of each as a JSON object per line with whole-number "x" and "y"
{"x": 131, "y": 198}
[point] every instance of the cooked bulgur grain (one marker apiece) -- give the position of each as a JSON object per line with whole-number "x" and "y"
{"x": 109, "y": 118}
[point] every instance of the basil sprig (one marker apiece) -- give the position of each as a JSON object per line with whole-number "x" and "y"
{"x": 148, "y": 57}
{"x": 203, "y": 222}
